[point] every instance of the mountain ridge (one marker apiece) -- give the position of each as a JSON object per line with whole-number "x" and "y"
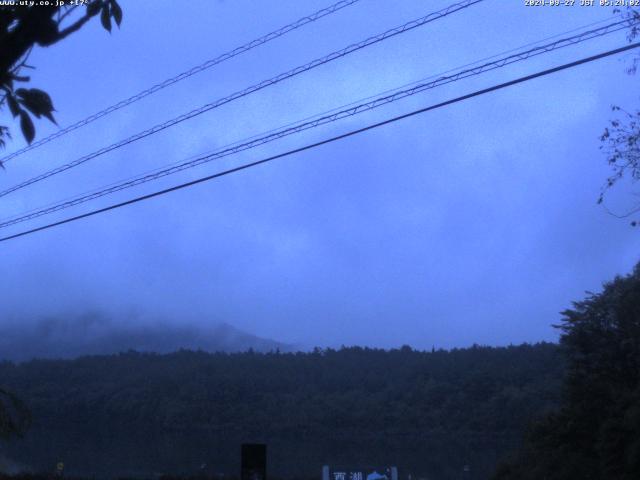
{"x": 96, "y": 334}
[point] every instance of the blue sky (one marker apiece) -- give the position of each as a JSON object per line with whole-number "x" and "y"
{"x": 473, "y": 223}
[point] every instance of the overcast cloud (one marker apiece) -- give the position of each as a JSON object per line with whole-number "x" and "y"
{"x": 476, "y": 223}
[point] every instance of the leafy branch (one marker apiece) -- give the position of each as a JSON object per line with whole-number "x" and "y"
{"x": 621, "y": 138}
{"x": 22, "y": 28}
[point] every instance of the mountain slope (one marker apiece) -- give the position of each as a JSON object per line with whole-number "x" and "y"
{"x": 94, "y": 334}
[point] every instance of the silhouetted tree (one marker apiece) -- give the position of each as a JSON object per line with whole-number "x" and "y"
{"x": 596, "y": 432}
{"x": 422, "y": 410}
{"x": 621, "y": 139}
{"x": 22, "y": 27}
{"x": 14, "y": 415}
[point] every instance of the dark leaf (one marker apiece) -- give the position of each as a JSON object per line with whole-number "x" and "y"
{"x": 31, "y": 107}
{"x": 13, "y": 105}
{"x": 28, "y": 130}
{"x": 93, "y": 8}
{"x": 105, "y": 18}
{"x": 37, "y": 102}
{"x": 116, "y": 12}
{"x": 49, "y": 116}
{"x": 4, "y": 133}
{"x": 43, "y": 99}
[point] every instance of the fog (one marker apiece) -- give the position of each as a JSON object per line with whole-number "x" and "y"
{"x": 475, "y": 223}
{"x": 93, "y": 333}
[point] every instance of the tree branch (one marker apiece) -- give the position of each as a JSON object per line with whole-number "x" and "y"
{"x": 77, "y": 25}
{"x": 65, "y": 14}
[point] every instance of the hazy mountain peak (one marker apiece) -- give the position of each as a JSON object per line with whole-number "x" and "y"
{"x": 93, "y": 333}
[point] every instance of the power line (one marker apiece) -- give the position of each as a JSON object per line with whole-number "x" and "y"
{"x": 259, "y": 86}
{"x": 186, "y": 74}
{"x": 329, "y": 140}
{"x": 415, "y": 82}
{"x": 360, "y": 100}
{"x": 257, "y": 141}
{"x": 305, "y": 125}
{"x": 326, "y": 112}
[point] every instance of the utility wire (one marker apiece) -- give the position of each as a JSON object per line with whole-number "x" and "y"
{"x": 335, "y": 109}
{"x": 259, "y": 86}
{"x": 305, "y": 125}
{"x": 186, "y": 74}
{"x": 317, "y": 115}
{"x": 237, "y": 147}
{"x": 360, "y": 100}
{"x": 424, "y": 79}
{"x": 329, "y": 140}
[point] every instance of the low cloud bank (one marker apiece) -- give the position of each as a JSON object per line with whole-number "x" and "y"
{"x": 96, "y": 334}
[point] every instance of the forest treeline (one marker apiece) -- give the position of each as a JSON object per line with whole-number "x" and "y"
{"x": 595, "y": 432}
{"x": 551, "y": 411}
{"x": 430, "y": 413}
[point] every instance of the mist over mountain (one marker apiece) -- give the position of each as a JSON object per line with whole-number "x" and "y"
{"x": 97, "y": 334}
